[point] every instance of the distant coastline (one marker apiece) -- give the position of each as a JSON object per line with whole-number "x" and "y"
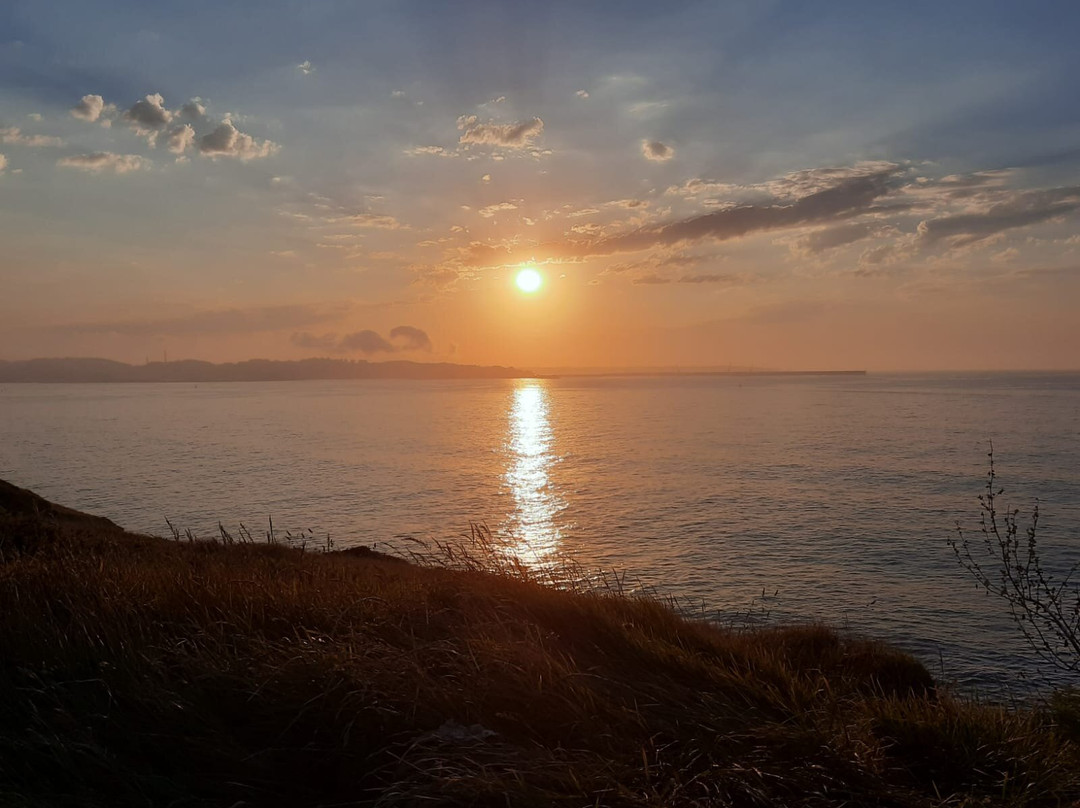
{"x": 90, "y": 371}
{"x": 624, "y": 373}
{"x": 253, "y": 370}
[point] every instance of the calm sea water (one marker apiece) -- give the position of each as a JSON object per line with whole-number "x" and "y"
{"x": 833, "y": 496}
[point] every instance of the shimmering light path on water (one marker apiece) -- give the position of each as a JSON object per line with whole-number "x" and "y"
{"x": 833, "y": 496}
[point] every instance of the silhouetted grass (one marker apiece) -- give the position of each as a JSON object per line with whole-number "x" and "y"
{"x": 137, "y": 671}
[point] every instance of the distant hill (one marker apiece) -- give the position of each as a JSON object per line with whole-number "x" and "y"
{"x": 252, "y": 370}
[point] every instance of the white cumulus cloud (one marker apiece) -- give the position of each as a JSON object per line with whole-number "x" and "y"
{"x": 228, "y": 141}
{"x": 507, "y": 135}
{"x": 89, "y": 108}
{"x": 180, "y": 138}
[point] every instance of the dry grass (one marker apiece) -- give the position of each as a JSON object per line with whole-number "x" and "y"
{"x": 138, "y": 671}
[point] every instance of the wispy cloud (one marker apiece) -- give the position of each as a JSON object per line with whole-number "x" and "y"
{"x": 492, "y": 210}
{"x": 16, "y": 137}
{"x": 91, "y": 107}
{"x": 517, "y": 135}
{"x": 656, "y": 151}
{"x": 99, "y": 162}
{"x": 402, "y": 339}
{"x": 1020, "y": 209}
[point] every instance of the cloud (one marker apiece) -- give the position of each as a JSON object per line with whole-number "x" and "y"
{"x": 403, "y": 338}
{"x": 627, "y": 204}
{"x": 366, "y": 342}
{"x": 438, "y": 151}
{"x": 306, "y": 67}
{"x": 853, "y": 192}
{"x": 222, "y": 321}
{"x": 376, "y": 221}
{"x": 510, "y": 135}
{"x": 656, "y": 151}
{"x": 1020, "y": 209}
{"x": 228, "y": 141}
{"x": 410, "y": 338}
{"x": 99, "y": 162}
{"x": 800, "y": 184}
{"x": 194, "y": 110}
{"x": 180, "y": 138}
{"x": 725, "y": 279}
{"x": 698, "y": 186}
{"x": 318, "y": 342}
{"x": 491, "y": 210}
{"x": 830, "y": 237}
{"x": 728, "y": 280}
{"x": 149, "y": 116}
{"x": 15, "y": 136}
{"x": 89, "y": 108}
{"x": 3, "y": 163}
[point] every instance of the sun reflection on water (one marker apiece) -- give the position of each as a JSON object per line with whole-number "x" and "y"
{"x": 532, "y": 532}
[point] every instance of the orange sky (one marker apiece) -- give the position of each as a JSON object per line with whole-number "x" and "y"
{"x": 707, "y": 187}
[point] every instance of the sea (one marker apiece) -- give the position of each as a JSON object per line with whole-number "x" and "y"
{"x": 747, "y": 499}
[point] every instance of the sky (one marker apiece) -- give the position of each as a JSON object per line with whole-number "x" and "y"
{"x": 788, "y": 185}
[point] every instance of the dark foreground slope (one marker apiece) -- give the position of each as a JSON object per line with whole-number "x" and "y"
{"x": 143, "y": 672}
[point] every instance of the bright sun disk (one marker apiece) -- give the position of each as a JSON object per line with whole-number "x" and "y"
{"x": 529, "y": 280}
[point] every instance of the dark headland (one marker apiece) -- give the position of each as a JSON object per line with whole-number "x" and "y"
{"x": 251, "y": 370}
{"x": 139, "y": 671}
{"x": 87, "y": 370}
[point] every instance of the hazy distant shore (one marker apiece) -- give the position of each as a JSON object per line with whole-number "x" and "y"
{"x": 253, "y": 370}
{"x": 91, "y": 370}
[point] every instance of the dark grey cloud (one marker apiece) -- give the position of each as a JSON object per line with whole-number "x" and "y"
{"x": 403, "y": 338}
{"x": 318, "y": 342}
{"x": 365, "y": 342}
{"x": 831, "y": 237}
{"x": 1021, "y": 209}
{"x": 225, "y": 321}
{"x": 149, "y": 116}
{"x": 194, "y": 110}
{"x": 656, "y": 151}
{"x": 411, "y": 338}
{"x": 844, "y": 194}
{"x": 508, "y": 135}
{"x": 849, "y": 197}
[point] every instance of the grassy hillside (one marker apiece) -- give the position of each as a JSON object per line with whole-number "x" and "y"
{"x": 141, "y": 672}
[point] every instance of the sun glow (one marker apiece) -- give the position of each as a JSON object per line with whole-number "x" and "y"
{"x": 529, "y": 280}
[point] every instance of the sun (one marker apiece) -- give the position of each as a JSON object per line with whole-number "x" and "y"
{"x": 529, "y": 280}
